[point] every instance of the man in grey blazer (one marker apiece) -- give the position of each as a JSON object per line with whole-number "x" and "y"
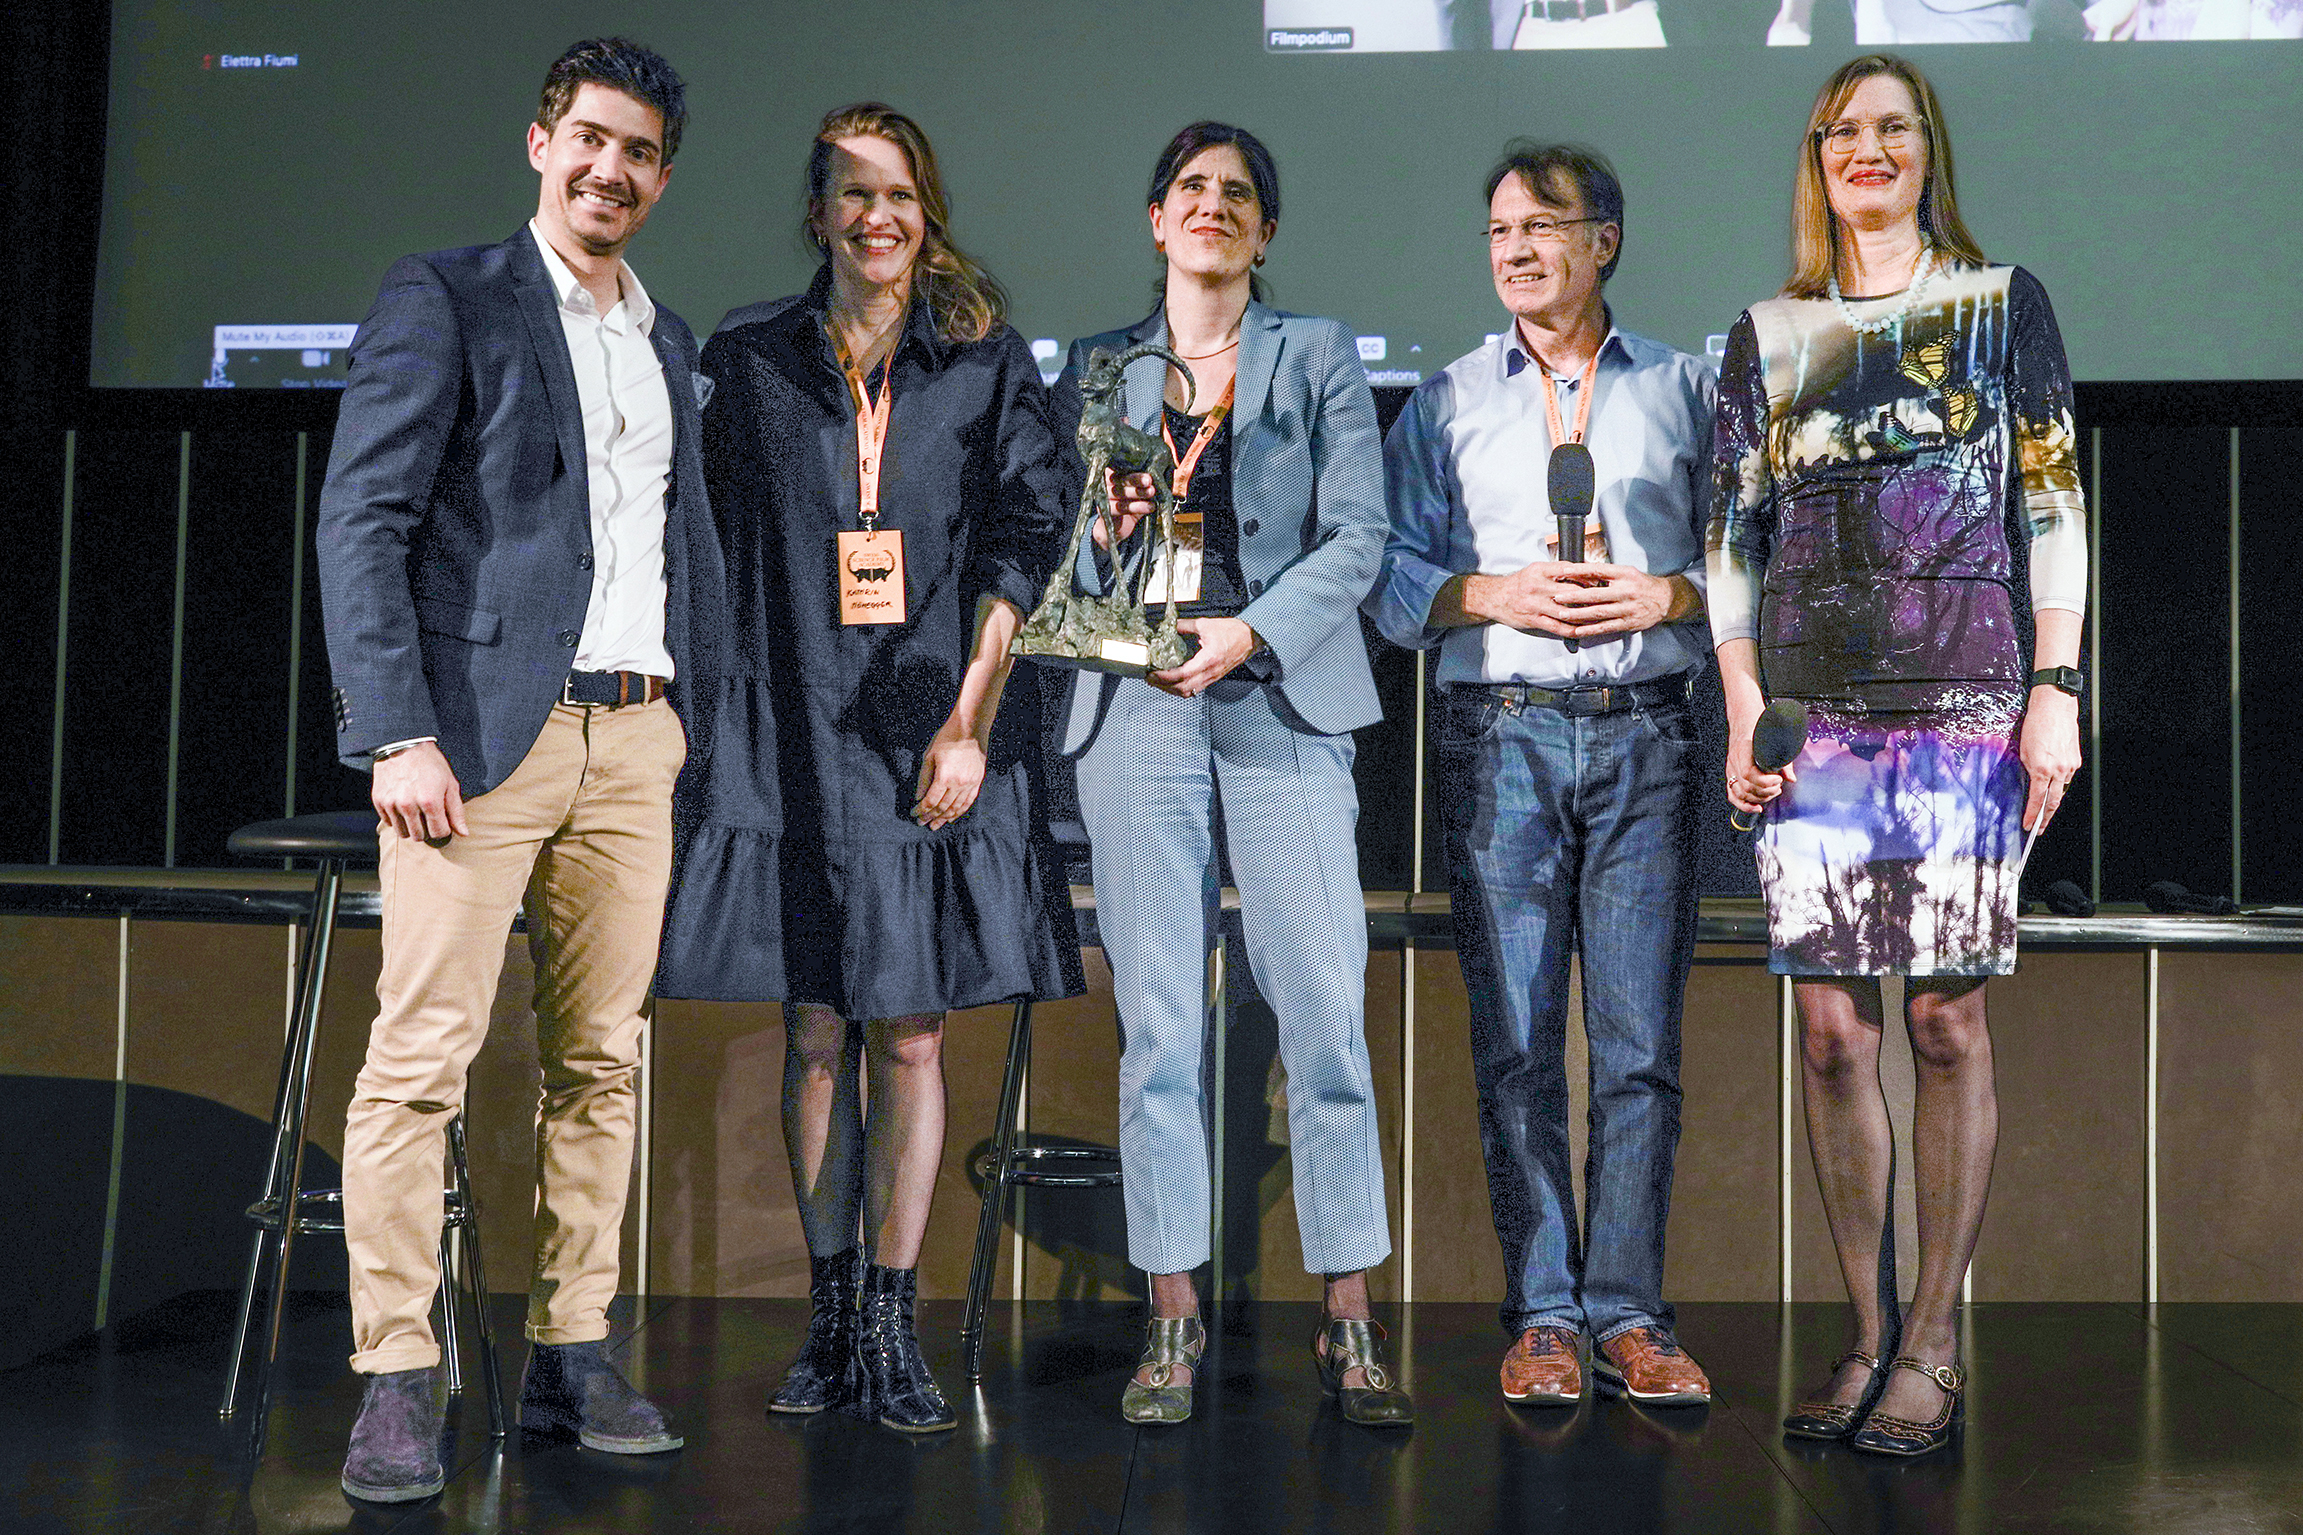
{"x": 512, "y": 530}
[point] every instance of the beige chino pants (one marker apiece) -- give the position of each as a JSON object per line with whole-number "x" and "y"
{"x": 581, "y": 834}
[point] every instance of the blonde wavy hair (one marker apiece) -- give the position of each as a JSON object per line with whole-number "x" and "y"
{"x": 1815, "y": 228}
{"x": 964, "y": 301}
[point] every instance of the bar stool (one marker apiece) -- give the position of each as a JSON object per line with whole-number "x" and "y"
{"x": 1017, "y": 1161}
{"x": 1014, "y": 1161}
{"x": 288, "y": 1209}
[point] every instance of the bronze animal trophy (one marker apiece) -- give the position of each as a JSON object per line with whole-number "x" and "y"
{"x": 1110, "y": 632}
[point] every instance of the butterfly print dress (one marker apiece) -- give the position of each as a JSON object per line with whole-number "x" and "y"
{"x": 1888, "y": 510}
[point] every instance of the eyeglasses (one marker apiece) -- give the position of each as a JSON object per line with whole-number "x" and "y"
{"x": 1894, "y": 133}
{"x": 1543, "y": 231}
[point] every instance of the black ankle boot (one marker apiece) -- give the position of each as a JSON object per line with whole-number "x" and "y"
{"x": 817, "y": 1378}
{"x": 573, "y": 1389}
{"x": 888, "y": 1380}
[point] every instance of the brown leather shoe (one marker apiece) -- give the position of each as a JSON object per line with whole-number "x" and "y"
{"x": 1542, "y": 1369}
{"x": 1647, "y": 1366}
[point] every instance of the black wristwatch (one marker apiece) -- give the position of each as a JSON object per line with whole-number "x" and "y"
{"x": 2069, "y": 678}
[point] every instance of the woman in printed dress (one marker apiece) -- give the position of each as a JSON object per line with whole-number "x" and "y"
{"x": 1898, "y": 542}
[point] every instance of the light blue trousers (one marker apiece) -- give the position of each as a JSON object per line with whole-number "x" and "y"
{"x": 1149, "y": 782}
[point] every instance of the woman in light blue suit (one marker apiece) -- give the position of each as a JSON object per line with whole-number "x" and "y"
{"x": 1285, "y": 493}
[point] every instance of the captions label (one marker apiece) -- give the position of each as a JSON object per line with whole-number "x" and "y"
{"x": 1308, "y": 40}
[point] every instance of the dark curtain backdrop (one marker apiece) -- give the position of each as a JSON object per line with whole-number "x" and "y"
{"x": 57, "y": 50}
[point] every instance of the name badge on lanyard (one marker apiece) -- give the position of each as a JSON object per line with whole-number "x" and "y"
{"x": 1595, "y": 535}
{"x": 1190, "y": 526}
{"x": 869, "y": 565}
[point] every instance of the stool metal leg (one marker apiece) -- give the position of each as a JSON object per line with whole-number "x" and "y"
{"x": 451, "y": 1341}
{"x": 276, "y": 1234}
{"x": 468, "y": 1235}
{"x": 263, "y": 1239}
{"x": 998, "y": 1169}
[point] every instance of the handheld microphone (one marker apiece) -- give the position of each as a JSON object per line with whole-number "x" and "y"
{"x": 2170, "y": 899}
{"x": 2066, "y": 899}
{"x": 1570, "y": 481}
{"x": 1778, "y": 737}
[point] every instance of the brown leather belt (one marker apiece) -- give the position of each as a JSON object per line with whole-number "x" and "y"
{"x": 611, "y": 690}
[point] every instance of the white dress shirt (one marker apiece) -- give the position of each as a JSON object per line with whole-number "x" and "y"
{"x": 627, "y": 466}
{"x": 1466, "y": 469}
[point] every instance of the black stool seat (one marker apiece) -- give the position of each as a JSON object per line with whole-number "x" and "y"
{"x": 346, "y": 834}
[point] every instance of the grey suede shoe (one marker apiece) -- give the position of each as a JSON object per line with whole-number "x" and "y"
{"x": 571, "y": 1388}
{"x": 395, "y": 1453}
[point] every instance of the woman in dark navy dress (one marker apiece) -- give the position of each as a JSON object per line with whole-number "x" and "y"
{"x": 860, "y": 834}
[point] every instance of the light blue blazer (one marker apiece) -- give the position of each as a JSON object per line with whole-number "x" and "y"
{"x": 1307, "y": 490}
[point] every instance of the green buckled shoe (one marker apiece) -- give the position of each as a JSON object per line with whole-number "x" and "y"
{"x": 1352, "y": 1345}
{"x": 1170, "y": 1343}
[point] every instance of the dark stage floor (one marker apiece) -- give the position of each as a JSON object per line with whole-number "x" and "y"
{"x": 2081, "y": 1418}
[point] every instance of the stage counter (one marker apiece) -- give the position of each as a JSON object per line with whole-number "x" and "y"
{"x": 2147, "y": 1070}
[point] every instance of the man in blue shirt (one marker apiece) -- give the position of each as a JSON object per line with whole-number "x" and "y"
{"x": 1566, "y": 756}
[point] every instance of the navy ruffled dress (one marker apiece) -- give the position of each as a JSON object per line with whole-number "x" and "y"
{"x": 799, "y": 874}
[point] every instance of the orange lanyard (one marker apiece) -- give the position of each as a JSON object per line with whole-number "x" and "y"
{"x": 872, "y": 435}
{"x": 1583, "y": 391}
{"x": 1207, "y": 430}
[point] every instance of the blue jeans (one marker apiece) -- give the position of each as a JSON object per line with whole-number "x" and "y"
{"x": 1567, "y": 834}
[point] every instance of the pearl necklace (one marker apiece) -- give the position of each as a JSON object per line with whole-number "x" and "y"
{"x": 1892, "y": 317}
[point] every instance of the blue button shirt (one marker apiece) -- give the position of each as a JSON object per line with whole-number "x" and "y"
{"x": 1465, "y": 469}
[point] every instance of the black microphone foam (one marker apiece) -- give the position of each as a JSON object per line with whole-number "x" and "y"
{"x": 2170, "y": 900}
{"x": 1775, "y": 739}
{"x": 2066, "y": 899}
{"x": 1780, "y": 734}
{"x": 1571, "y": 481}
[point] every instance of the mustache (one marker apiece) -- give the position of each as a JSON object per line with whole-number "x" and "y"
{"x": 615, "y": 194}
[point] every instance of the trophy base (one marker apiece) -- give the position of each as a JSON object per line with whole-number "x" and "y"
{"x": 1135, "y": 650}
{"x": 1118, "y": 659}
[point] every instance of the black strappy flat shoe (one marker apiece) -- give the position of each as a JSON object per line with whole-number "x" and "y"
{"x": 1836, "y": 1420}
{"x": 1884, "y": 1435}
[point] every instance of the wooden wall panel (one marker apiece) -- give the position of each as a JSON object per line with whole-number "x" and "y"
{"x": 1722, "y": 1240}
{"x": 2230, "y": 1139}
{"x": 208, "y": 1013}
{"x": 2066, "y": 1220}
{"x": 722, "y": 1217}
{"x": 206, "y": 1003}
{"x": 1456, "y": 1257}
{"x": 59, "y": 996}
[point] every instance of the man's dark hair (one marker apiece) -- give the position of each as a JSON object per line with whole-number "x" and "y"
{"x": 1261, "y": 170}
{"x": 1559, "y": 174}
{"x": 621, "y": 65}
